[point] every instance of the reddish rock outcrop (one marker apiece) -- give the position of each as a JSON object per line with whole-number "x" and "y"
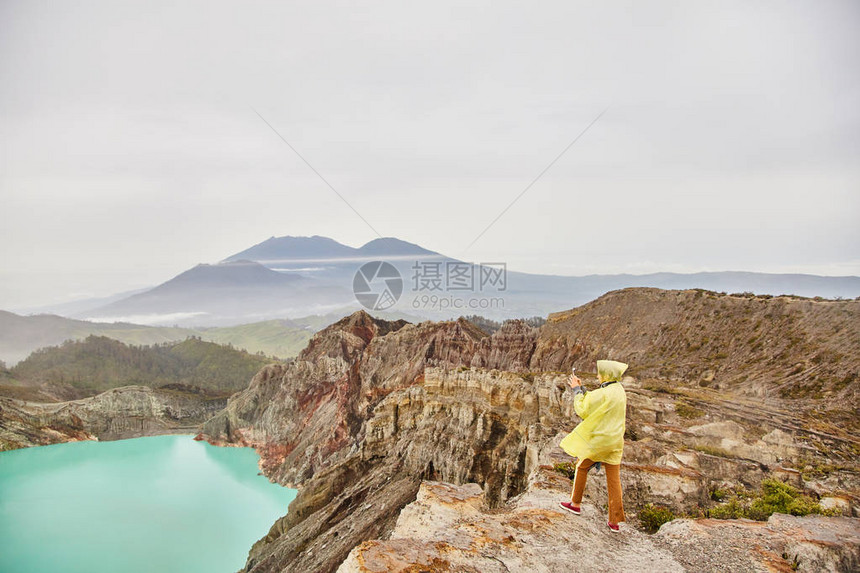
{"x": 371, "y": 408}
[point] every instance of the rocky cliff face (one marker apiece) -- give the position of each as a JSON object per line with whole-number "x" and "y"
{"x": 355, "y": 414}
{"x": 126, "y": 412}
{"x": 309, "y": 414}
{"x": 371, "y": 408}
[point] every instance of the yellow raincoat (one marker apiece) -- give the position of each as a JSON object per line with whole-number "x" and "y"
{"x": 600, "y": 435}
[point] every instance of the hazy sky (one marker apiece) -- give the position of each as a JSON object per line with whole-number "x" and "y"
{"x": 130, "y": 149}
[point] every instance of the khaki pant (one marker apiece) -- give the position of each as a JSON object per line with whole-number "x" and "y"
{"x": 613, "y": 488}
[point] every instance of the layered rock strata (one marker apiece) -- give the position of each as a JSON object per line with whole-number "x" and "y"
{"x": 126, "y": 412}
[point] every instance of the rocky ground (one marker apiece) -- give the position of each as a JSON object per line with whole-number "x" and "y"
{"x": 372, "y": 408}
{"x": 448, "y": 528}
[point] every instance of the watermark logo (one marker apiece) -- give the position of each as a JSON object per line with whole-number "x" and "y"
{"x": 459, "y": 276}
{"x": 436, "y": 285}
{"x": 377, "y": 285}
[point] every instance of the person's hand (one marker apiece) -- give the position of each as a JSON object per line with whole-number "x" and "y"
{"x": 574, "y": 381}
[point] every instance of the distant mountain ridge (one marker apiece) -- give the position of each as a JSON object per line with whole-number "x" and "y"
{"x": 299, "y": 248}
{"x": 289, "y": 276}
{"x": 226, "y": 293}
{"x": 227, "y": 275}
{"x": 317, "y": 248}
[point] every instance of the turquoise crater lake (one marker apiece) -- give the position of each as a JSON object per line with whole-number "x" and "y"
{"x": 162, "y": 503}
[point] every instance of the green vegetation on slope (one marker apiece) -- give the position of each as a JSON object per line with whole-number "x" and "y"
{"x": 774, "y": 497}
{"x": 100, "y": 363}
{"x": 281, "y": 338}
{"x": 20, "y": 335}
{"x": 651, "y": 517}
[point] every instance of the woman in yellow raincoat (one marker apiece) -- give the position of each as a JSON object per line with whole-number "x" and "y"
{"x": 599, "y": 438}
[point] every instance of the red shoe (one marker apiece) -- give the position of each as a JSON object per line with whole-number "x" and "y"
{"x": 570, "y": 507}
{"x": 614, "y": 528}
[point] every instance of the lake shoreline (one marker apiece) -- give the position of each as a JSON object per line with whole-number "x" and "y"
{"x": 120, "y": 413}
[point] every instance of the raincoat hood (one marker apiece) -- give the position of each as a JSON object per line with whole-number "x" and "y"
{"x": 610, "y": 370}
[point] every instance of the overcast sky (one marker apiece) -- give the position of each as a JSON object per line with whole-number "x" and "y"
{"x": 130, "y": 149}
